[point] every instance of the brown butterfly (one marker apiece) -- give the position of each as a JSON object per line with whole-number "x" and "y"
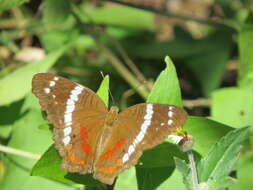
{"x": 91, "y": 139}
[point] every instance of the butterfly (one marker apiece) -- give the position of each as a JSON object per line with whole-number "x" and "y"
{"x": 91, "y": 139}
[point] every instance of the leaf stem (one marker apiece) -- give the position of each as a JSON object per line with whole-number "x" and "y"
{"x": 14, "y": 151}
{"x": 193, "y": 169}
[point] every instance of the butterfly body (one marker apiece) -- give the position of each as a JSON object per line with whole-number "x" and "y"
{"x": 91, "y": 139}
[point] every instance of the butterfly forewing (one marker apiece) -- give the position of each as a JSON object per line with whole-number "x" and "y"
{"x": 77, "y": 113}
{"x": 137, "y": 128}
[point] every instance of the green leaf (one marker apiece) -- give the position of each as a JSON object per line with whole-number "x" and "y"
{"x": 151, "y": 178}
{"x": 102, "y": 92}
{"x": 185, "y": 170}
{"x": 222, "y": 183}
{"x": 244, "y": 173}
{"x": 17, "y": 84}
{"x": 246, "y": 56}
{"x": 157, "y": 165}
{"x": 208, "y": 66}
{"x": 49, "y": 164}
{"x": 205, "y": 132}
{"x": 166, "y": 89}
{"x": 26, "y": 136}
{"x": 233, "y": 106}
{"x": 55, "y": 12}
{"x": 127, "y": 180}
{"x": 222, "y": 157}
{"x": 7, "y": 4}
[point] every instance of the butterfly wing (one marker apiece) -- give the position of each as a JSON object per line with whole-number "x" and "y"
{"x": 77, "y": 113}
{"x": 138, "y": 128}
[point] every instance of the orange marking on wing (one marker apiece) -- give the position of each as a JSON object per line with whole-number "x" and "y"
{"x": 69, "y": 147}
{"x": 102, "y": 169}
{"x": 81, "y": 162}
{"x": 84, "y": 144}
{"x": 72, "y": 157}
{"x": 111, "y": 169}
{"x": 120, "y": 142}
{"x": 119, "y": 162}
{"x": 112, "y": 152}
{"x": 84, "y": 134}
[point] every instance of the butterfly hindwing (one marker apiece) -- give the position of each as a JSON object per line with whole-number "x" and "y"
{"x": 138, "y": 128}
{"x": 77, "y": 114}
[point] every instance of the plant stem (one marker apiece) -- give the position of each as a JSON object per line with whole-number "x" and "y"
{"x": 194, "y": 171}
{"x": 14, "y": 151}
{"x": 115, "y": 61}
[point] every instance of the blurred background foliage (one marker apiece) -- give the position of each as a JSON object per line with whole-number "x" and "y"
{"x": 209, "y": 41}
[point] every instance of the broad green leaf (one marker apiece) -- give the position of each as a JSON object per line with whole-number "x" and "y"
{"x": 246, "y": 56}
{"x": 185, "y": 170}
{"x": 55, "y": 12}
{"x": 26, "y": 136}
{"x": 49, "y": 164}
{"x": 127, "y": 180}
{"x": 17, "y": 84}
{"x": 151, "y": 178}
{"x": 233, "y": 106}
{"x": 166, "y": 89}
{"x": 7, "y": 4}
{"x": 244, "y": 173}
{"x": 174, "y": 182}
{"x": 103, "y": 90}
{"x": 222, "y": 183}
{"x": 208, "y": 66}
{"x": 222, "y": 157}
{"x": 205, "y": 132}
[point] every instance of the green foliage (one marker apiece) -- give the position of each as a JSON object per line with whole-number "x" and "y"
{"x": 165, "y": 82}
{"x": 214, "y": 168}
{"x": 233, "y": 106}
{"x": 103, "y": 90}
{"x": 185, "y": 170}
{"x": 208, "y": 58}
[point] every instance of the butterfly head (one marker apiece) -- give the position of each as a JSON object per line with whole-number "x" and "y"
{"x": 112, "y": 115}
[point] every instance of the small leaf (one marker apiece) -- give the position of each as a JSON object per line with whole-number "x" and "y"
{"x": 102, "y": 92}
{"x": 185, "y": 170}
{"x": 166, "y": 89}
{"x": 222, "y": 157}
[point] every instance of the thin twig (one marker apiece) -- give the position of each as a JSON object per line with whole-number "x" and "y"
{"x": 179, "y": 16}
{"x": 193, "y": 169}
{"x": 197, "y": 102}
{"x": 14, "y": 151}
{"x": 115, "y": 61}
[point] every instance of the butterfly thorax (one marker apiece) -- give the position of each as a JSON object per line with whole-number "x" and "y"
{"x": 111, "y": 116}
